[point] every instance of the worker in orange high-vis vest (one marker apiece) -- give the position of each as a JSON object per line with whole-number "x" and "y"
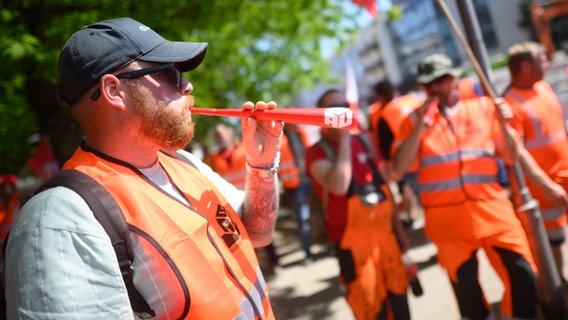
{"x": 388, "y": 110}
{"x": 389, "y": 124}
{"x": 193, "y": 234}
{"x": 295, "y": 183}
{"x": 230, "y": 159}
{"x": 538, "y": 119}
{"x": 383, "y": 92}
{"x": 360, "y": 221}
{"x": 456, "y": 142}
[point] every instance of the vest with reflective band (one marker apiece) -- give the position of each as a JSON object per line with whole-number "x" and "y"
{"x": 396, "y": 111}
{"x": 190, "y": 263}
{"x": 538, "y": 117}
{"x": 232, "y": 169}
{"x": 288, "y": 172}
{"x": 457, "y": 156}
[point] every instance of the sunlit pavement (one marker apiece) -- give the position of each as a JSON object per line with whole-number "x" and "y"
{"x": 310, "y": 291}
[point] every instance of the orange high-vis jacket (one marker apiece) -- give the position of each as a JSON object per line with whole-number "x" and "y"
{"x": 460, "y": 165}
{"x": 289, "y": 172}
{"x": 469, "y": 89}
{"x": 192, "y": 262}
{"x": 230, "y": 165}
{"x": 538, "y": 118}
{"x": 396, "y": 111}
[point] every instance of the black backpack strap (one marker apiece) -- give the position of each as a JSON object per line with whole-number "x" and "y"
{"x": 110, "y": 216}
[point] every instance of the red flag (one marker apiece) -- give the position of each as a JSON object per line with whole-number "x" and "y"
{"x": 43, "y": 163}
{"x": 370, "y": 5}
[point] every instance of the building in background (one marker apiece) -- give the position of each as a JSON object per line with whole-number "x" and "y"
{"x": 391, "y": 49}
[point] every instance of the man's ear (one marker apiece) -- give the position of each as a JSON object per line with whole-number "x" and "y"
{"x": 112, "y": 91}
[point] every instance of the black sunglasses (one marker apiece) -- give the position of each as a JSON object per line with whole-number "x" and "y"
{"x": 170, "y": 69}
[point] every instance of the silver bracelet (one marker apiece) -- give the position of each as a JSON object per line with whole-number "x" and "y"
{"x": 265, "y": 172}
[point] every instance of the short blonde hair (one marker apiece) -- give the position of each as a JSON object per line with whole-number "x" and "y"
{"x": 523, "y": 51}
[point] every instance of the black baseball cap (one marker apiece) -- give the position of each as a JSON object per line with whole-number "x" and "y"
{"x": 106, "y": 46}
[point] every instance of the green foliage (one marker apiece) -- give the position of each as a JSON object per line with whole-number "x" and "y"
{"x": 16, "y": 125}
{"x": 395, "y": 12}
{"x": 258, "y": 50}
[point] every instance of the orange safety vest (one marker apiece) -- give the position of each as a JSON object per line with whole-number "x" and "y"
{"x": 538, "y": 118}
{"x": 460, "y": 165}
{"x": 394, "y": 114}
{"x": 7, "y": 213}
{"x": 288, "y": 172}
{"x": 191, "y": 263}
{"x": 467, "y": 89}
{"x": 233, "y": 168}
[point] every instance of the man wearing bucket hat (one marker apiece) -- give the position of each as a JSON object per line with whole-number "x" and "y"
{"x": 456, "y": 142}
{"x": 193, "y": 234}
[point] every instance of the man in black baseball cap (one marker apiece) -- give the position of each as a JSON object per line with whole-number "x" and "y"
{"x": 193, "y": 234}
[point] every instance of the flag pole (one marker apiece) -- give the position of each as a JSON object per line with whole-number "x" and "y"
{"x": 549, "y": 282}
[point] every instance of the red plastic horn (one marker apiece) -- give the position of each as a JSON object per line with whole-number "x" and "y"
{"x": 337, "y": 117}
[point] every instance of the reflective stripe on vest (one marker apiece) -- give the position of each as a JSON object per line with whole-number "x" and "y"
{"x": 554, "y": 220}
{"x": 288, "y": 172}
{"x": 236, "y": 178}
{"x": 232, "y": 169}
{"x": 188, "y": 264}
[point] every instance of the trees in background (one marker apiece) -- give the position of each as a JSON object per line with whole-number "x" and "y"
{"x": 258, "y": 50}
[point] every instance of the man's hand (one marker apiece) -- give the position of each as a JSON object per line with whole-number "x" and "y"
{"x": 261, "y": 138}
{"x": 555, "y": 194}
{"x": 503, "y": 110}
{"x": 424, "y": 112}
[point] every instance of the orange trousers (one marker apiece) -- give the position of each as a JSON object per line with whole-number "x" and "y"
{"x": 459, "y": 231}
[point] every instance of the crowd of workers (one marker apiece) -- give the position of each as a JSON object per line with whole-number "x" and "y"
{"x": 198, "y": 227}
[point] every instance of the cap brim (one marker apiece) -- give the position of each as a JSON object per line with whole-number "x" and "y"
{"x": 188, "y": 55}
{"x": 427, "y": 78}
